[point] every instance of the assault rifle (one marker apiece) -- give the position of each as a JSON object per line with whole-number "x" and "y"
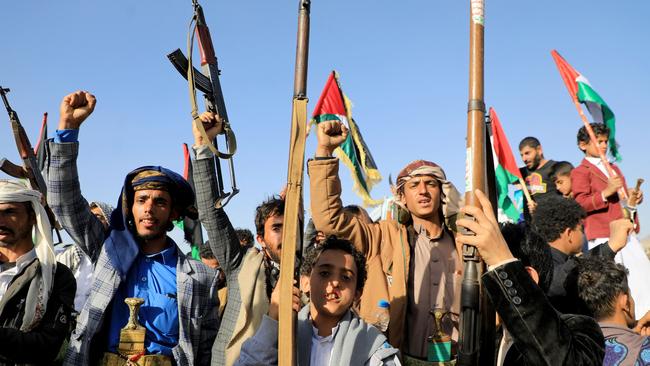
{"x": 29, "y": 170}
{"x": 207, "y": 81}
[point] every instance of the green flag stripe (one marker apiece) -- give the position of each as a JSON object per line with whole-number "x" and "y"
{"x": 326, "y": 117}
{"x": 350, "y": 150}
{"x": 586, "y": 94}
{"x": 503, "y": 179}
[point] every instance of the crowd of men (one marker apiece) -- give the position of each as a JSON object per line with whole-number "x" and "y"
{"x": 383, "y": 292}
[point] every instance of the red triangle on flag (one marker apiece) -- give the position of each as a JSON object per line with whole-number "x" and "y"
{"x": 569, "y": 74}
{"x": 501, "y": 146}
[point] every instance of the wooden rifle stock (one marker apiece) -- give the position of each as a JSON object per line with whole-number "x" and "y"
{"x": 474, "y": 347}
{"x": 292, "y": 230}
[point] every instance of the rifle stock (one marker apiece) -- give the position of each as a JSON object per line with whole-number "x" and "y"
{"x": 29, "y": 170}
{"x": 475, "y": 344}
{"x": 292, "y": 230}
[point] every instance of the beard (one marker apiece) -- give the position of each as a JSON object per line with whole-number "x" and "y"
{"x": 16, "y": 236}
{"x": 151, "y": 236}
{"x": 274, "y": 255}
{"x": 535, "y": 163}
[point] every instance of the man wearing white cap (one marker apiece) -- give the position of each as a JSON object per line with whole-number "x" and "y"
{"x": 36, "y": 293}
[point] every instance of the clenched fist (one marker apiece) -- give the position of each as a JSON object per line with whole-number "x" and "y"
{"x": 331, "y": 135}
{"x": 75, "y": 108}
{"x": 213, "y": 125}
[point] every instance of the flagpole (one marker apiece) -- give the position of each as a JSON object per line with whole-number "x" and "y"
{"x": 525, "y": 189}
{"x": 567, "y": 73}
{"x": 292, "y": 230}
{"x": 622, "y": 193}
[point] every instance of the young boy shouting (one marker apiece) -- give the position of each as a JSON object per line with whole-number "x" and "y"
{"x": 594, "y": 189}
{"x": 328, "y": 333}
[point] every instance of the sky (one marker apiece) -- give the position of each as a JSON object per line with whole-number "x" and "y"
{"x": 404, "y": 65}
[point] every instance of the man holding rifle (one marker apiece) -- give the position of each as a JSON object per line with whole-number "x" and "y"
{"x": 251, "y": 274}
{"x": 412, "y": 263}
{"x": 134, "y": 259}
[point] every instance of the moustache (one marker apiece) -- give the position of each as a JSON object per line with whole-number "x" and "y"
{"x": 4, "y": 228}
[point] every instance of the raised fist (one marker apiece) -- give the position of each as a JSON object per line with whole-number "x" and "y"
{"x": 75, "y": 108}
{"x": 213, "y": 126}
{"x": 331, "y": 135}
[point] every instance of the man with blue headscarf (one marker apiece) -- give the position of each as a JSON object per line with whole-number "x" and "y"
{"x": 134, "y": 258}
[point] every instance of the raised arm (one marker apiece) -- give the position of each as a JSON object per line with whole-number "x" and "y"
{"x": 540, "y": 334}
{"x": 62, "y": 179}
{"x": 325, "y": 190}
{"x": 223, "y": 239}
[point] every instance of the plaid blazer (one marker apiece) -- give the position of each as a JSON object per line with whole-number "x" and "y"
{"x": 196, "y": 283}
{"x": 244, "y": 268}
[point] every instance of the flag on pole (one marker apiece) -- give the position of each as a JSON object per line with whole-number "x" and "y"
{"x": 353, "y": 152}
{"x": 581, "y": 91}
{"x": 505, "y": 168}
{"x": 192, "y": 231}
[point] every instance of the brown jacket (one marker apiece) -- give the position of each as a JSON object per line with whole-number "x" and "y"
{"x": 385, "y": 244}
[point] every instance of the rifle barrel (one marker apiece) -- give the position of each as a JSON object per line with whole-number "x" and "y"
{"x": 302, "y": 50}
{"x": 293, "y": 213}
{"x": 469, "y": 343}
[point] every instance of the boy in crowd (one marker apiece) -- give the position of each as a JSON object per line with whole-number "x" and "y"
{"x": 328, "y": 333}
{"x": 560, "y": 222}
{"x": 595, "y": 190}
{"x": 603, "y": 287}
{"x": 561, "y": 177}
{"x": 412, "y": 261}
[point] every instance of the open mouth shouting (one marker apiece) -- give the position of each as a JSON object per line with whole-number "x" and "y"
{"x": 333, "y": 296}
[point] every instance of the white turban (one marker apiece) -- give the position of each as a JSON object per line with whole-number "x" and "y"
{"x": 41, "y": 286}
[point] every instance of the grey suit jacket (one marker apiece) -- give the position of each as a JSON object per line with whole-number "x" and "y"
{"x": 196, "y": 283}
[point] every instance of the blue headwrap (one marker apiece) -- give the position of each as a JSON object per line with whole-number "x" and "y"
{"x": 121, "y": 245}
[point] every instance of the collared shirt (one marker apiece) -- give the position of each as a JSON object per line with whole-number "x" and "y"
{"x": 151, "y": 277}
{"x": 598, "y": 163}
{"x": 504, "y": 346}
{"x": 7, "y": 275}
{"x": 431, "y": 286}
{"x": 321, "y": 347}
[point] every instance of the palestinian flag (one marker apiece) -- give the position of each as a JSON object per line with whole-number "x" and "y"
{"x": 192, "y": 231}
{"x": 334, "y": 105}
{"x": 581, "y": 91}
{"x": 505, "y": 168}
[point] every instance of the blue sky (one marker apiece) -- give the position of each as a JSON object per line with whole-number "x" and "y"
{"x": 402, "y": 63}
